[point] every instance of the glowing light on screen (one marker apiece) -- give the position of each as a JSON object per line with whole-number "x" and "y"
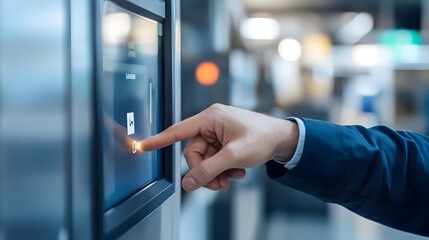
{"x": 207, "y": 73}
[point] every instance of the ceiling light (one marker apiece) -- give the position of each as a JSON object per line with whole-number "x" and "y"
{"x": 366, "y": 55}
{"x": 260, "y": 28}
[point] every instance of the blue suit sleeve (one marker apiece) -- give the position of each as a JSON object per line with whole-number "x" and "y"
{"x": 378, "y": 173}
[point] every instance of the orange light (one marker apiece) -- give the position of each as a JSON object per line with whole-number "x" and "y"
{"x": 207, "y": 73}
{"x": 134, "y": 147}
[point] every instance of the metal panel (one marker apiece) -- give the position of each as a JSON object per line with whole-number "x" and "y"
{"x": 47, "y": 69}
{"x": 82, "y": 118}
{"x": 155, "y": 6}
{"x": 157, "y": 225}
{"x": 34, "y": 119}
{"x": 177, "y": 149}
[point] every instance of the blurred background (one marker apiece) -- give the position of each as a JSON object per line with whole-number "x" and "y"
{"x": 350, "y": 62}
{"x": 346, "y": 61}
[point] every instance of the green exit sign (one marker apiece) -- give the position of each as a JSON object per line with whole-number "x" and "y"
{"x": 400, "y": 37}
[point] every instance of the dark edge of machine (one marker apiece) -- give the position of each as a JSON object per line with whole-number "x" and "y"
{"x": 114, "y": 222}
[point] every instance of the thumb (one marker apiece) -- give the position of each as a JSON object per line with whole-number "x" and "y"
{"x": 207, "y": 170}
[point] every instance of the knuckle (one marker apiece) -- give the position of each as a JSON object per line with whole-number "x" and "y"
{"x": 187, "y": 153}
{"x": 206, "y": 169}
{"x": 216, "y": 108}
{"x": 232, "y": 153}
{"x": 214, "y": 184}
{"x": 173, "y": 127}
{"x": 216, "y": 105}
{"x": 215, "y": 111}
{"x": 235, "y": 157}
{"x": 211, "y": 186}
{"x": 172, "y": 130}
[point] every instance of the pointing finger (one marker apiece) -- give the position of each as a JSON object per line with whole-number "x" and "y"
{"x": 186, "y": 129}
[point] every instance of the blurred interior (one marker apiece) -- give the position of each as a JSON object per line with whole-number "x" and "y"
{"x": 350, "y": 62}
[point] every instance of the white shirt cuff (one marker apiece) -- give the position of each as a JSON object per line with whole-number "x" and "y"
{"x": 300, "y": 146}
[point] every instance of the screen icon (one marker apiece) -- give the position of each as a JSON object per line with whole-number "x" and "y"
{"x": 130, "y": 123}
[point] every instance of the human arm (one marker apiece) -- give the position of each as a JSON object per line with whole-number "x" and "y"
{"x": 378, "y": 173}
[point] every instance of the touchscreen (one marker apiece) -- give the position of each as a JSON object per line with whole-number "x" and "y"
{"x": 131, "y": 96}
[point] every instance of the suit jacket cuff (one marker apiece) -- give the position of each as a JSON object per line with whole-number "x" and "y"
{"x": 314, "y": 174}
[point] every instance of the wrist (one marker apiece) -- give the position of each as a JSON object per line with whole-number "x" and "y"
{"x": 286, "y": 135}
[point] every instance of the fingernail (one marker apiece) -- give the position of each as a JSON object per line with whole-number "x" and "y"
{"x": 189, "y": 184}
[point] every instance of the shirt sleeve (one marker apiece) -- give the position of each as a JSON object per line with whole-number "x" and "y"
{"x": 300, "y": 146}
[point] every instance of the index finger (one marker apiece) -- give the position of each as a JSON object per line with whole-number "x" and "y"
{"x": 183, "y": 130}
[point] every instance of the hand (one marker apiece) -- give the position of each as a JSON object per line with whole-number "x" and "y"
{"x": 224, "y": 141}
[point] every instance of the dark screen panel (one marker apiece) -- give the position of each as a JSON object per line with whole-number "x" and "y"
{"x": 130, "y": 95}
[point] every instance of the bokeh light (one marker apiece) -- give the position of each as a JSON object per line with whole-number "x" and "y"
{"x": 290, "y": 49}
{"x": 207, "y": 73}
